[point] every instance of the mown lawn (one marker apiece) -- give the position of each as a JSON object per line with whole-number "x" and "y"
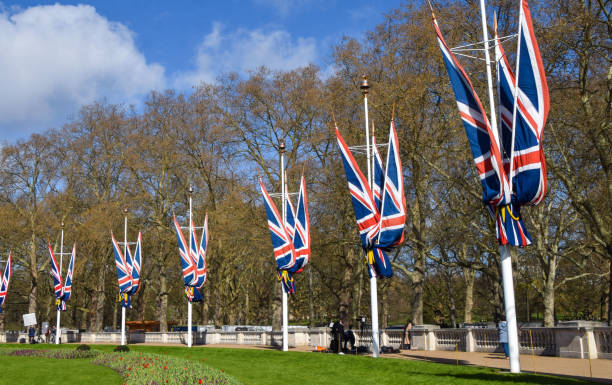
{"x": 264, "y": 367}
{"x": 50, "y": 371}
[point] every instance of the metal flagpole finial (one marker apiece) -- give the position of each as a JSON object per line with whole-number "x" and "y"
{"x": 190, "y": 189}
{"x": 281, "y": 146}
{"x": 125, "y": 210}
{"x": 62, "y": 225}
{"x": 364, "y": 85}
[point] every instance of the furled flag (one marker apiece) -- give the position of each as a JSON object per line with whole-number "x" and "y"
{"x": 301, "y": 230}
{"x": 284, "y": 252}
{"x": 193, "y": 260}
{"x": 63, "y": 290}
{"x": 523, "y": 148}
{"x": 126, "y": 273}
{"x": 5, "y": 279}
{"x": 380, "y": 229}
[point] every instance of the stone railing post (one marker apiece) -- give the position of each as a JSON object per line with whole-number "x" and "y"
{"x": 470, "y": 341}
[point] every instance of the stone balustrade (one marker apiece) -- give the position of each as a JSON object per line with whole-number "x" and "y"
{"x": 576, "y": 341}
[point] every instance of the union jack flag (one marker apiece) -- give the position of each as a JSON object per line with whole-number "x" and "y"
{"x": 200, "y": 256}
{"x": 379, "y": 175}
{"x": 282, "y": 242}
{"x": 301, "y": 233}
{"x": 187, "y": 262}
{"x": 284, "y": 252}
{"x": 193, "y": 262}
{"x": 5, "y": 279}
{"x": 136, "y": 265}
{"x": 368, "y": 218}
{"x": 529, "y": 166}
{"x": 482, "y": 139}
{"x": 383, "y": 229}
{"x": 124, "y": 272}
{"x": 62, "y": 290}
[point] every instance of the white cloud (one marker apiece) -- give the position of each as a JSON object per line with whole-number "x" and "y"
{"x": 244, "y": 50}
{"x": 56, "y": 58}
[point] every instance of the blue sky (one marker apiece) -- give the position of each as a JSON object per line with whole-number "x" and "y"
{"x": 58, "y": 56}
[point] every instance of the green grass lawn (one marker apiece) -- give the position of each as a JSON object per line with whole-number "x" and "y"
{"x": 50, "y": 371}
{"x": 263, "y": 367}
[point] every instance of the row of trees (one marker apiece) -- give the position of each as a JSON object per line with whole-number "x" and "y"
{"x": 222, "y": 136}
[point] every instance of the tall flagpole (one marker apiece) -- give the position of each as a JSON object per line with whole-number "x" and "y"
{"x": 125, "y": 211}
{"x": 504, "y": 251}
{"x": 285, "y": 309}
{"x": 189, "y": 336}
{"x": 373, "y": 287}
{"x": 57, "y": 332}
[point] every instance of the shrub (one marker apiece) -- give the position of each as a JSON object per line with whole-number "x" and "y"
{"x": 121, "y": 348}
{"x": 83, "y": 348}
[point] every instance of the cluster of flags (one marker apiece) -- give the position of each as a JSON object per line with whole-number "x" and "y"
{"x": 193, "y": 259}
{"x": 4, "y": 282}
{"x": 291, "y": 238}
{"x": 510, "y": 163}
{"x": 62, "y": 289}
{"x": 381, "y": 210}
{"x": 128, "y": 270}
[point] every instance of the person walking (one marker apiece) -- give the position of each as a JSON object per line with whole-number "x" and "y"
{"x": 31, "y": 334}
{"x": 503, "y": 335}
{"x": 406, "y": 339}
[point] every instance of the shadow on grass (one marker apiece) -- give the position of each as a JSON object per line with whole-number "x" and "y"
{"x": 521, "y": 378}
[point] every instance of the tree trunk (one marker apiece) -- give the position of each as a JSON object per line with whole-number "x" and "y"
{"x": 34, "y": 276}
{"x": 163, "y": 302}
{"x": 468, "y": 276}
{"x": 417, "y": 291}
{"x": 205, "y": 306}
{"x": 97, "y": 318}
{"x": 610, "y": 294}
{"x": 549, "y": 293}
{"x": 451, "y": 298}
{"x": 277, "y": 308}
{"x": 345, "y": 289}
{"x": 310, "y": 303}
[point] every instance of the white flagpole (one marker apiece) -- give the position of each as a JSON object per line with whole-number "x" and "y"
{"x": 189, "y": 336}
{"x": 125, "y": 210}
{"x": 373, "y": 287}
{"x": 284, "y": 214}
{"x": 506, "y": 260}
{"x": 58, "y": 333}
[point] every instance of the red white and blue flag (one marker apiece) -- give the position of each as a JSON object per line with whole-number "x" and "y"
{"x": 124, "y": 273}
{"x": 193, "y": 260}
{"x": 301, "y": 230}
{"x": 379, "y": 175}
{"x": 5, "y": 279}
{"x": 284, "y": 252}
{"x": 521, "y": 159}
{"x": 62, "y": 290}
{"x": 381, "y": 229}
{"x": 136, "y": 265}
{"x": 482, "y": 139}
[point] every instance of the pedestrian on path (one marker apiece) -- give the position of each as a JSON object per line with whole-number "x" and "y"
{"x": 503, "y": 335}
{"x": 406, "y": 339}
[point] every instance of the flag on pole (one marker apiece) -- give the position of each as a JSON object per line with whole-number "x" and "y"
{"x": 515, "y": 173}
{"x": 62, "y": 290}
{"x": 301, "y": 233}
{"x": 124, "y": 273}
{"x": 4, "y": 282}
{"x": 201, "y": 270}
{"x": 379, "y": 175}
{"x": 380, "y": 229}
{"x": 284, "y": 251}
{"x": 193, "y": 260}
{"x": 136, "y": 265}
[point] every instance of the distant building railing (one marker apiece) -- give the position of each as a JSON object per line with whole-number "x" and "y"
{"x": 580, "y": 340}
